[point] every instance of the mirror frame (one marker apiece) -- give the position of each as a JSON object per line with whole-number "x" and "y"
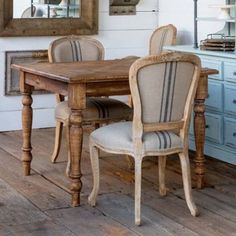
{"x": 86, "y": 24}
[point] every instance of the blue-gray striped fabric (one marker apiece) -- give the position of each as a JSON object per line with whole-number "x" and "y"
{"x": 163, "y": 91}
{"x": 76, "y": 50}
{"x": 118, "y": 136}
{"x": 97, "y": 109}
{"x": 163, "y": 40}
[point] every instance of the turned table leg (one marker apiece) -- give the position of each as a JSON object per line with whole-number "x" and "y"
{"x": 199, "y": 127}
{"x": 199, "y": 130}
{"x": 75, "y": 144}
{"x": 77, "y": 102}
{"x": 27, "y": 114}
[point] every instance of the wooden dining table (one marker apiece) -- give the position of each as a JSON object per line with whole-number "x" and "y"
{"x": 79, "y": 80}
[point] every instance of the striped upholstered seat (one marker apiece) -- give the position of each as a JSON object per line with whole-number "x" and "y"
{"x": 163, "y": 88}
{"x": 121, "y": 138}
{"x": 102, "y": 109}
{"x": 98, "y": 110}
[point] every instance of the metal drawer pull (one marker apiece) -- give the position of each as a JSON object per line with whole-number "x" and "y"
{"x": 234, "y": 101}
{"x": 234, "y": 73}
{"x": 234, "y": 134}
{"x": 207, "y": 126}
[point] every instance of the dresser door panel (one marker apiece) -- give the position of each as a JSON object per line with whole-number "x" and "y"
{"x": 215, "y": 96}
{"x": 230, "y": 71}
{"x": 214, "y": 128}
{"x": 230, "y": 132}
{"x": 229, "y": 99}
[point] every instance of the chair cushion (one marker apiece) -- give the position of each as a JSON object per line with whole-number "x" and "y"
{"x": 118, "y": 136}
{"x": 97, "y": 109}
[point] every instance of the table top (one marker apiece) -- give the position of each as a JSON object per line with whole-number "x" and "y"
{"x": 78, "y": 72}
{"x": 87, "y": 71}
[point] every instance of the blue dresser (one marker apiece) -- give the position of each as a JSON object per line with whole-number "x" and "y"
{"x": 220, "y": 104}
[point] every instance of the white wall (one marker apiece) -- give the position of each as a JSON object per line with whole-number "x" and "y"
{"x": 120, "y": 35}
{"x": 180, "y": 13}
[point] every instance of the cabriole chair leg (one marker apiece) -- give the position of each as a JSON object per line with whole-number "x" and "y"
{"x": 94, "y": 152}
{"x": 162, "y": 167}
{"x": 57, "y": 145}
{"x": 185, "y": 166}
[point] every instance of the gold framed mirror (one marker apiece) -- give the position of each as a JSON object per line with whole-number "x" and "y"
{"x": 86, "y": 23}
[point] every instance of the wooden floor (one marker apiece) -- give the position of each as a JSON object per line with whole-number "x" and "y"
{"x": 39, "y": 204}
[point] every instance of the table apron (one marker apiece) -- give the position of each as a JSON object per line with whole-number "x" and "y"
{"x": 40, "y": 82}
{"x": 107, "y": 88}
{"x": 104, "y": 88}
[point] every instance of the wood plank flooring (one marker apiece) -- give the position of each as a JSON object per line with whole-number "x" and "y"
{"x": 39, "y": 204}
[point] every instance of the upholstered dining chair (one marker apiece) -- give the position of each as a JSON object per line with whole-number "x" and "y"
{"x": 98, "y": 110}
{"x": 163, "y": 89}
{"x": 162, "y": 36}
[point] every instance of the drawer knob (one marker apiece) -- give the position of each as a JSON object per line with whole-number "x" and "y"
{"x": 207, "y": 126}
{"x": 234, "y": 134}
{"x": 234, "y": 73}
{"x": 234, "y": 101}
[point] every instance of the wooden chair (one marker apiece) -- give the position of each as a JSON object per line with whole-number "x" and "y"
{"x": 98, "y": 110}
{"x": 162, "y": 36}
{"x": 163, "y": 88}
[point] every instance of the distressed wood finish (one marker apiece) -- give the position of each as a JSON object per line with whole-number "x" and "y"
{"x": 47, "y": 190}
{"x": 66, "y": 79}
{"x": 77, "y": 102}
{"x": 86, "y": 24}
{"x": 27, "y": 116}
{"x": 167, "y": 34}
{"x": 199, "y": 125}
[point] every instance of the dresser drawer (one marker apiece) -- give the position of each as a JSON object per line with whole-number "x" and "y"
{"x": 230, "y": 71}
{"x": 214, "y": 129}
{"x": 229, "y": 99}
{"x": 230, "y": 132}
{"x": 215, "y": 96}
{"x": 213, "y": 64}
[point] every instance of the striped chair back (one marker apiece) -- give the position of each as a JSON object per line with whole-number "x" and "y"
{"x": 75, "y": 48}
{"x": 162, "y": 36}
{"x": 162, "y": 87}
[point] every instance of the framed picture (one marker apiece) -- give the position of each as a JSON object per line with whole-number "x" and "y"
{"x": 12, "y": 76}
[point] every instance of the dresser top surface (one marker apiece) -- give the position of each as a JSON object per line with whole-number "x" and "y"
{"x": 191, "y": 49}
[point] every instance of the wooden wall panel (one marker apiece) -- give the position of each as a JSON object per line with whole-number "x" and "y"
{"x": 120, "y": 35}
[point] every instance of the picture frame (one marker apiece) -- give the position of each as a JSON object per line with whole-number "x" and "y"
{"x": 12, "y": 80}
{"x": 86, "y": 24}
